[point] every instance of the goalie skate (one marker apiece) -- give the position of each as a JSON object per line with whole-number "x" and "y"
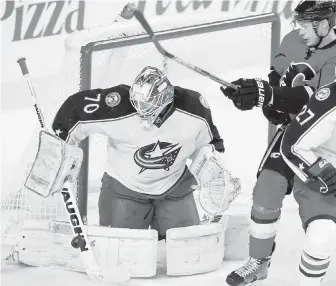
{"x": 252, "y": 271}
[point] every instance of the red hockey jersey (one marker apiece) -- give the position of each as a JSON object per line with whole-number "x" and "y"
{"x": 298, "y": 65}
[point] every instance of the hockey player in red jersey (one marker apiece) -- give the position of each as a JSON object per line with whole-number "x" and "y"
{"x": 304, "y": 62}
{"x": 309, "y": 148}
{"x": 152, "y": 128}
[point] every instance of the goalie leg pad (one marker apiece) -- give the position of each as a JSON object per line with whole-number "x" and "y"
{"x": 46, "y": 243}
{"x": 195, "y": 249}
{"x": 135, "y": 249}
{"x": 237, "y": 236}
{"x": 10, "y": 228}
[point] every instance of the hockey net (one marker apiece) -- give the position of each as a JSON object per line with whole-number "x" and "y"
{"x": 110, "y": 55}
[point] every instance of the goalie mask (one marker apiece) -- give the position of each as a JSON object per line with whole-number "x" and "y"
{"x": 150, "y": 93}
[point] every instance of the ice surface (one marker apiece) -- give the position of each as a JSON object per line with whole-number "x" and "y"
{"x": 283, "y": 270}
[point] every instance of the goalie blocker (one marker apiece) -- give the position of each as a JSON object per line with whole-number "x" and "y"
{"x": 55, "y": 162}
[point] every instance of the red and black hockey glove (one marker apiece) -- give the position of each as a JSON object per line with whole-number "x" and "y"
{"x": 252, "y": 92}
{"x": 325, "y": 173}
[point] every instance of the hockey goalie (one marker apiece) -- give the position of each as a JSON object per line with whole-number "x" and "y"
{"x": 147, "y": 192}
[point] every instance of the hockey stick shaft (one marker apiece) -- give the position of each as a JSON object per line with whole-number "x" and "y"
{"x": 81, "y": 239}
{"x": 24, "y": 69}
{"x": 142, "y": 20}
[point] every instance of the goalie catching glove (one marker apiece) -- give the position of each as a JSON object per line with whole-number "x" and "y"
{"x": 217, "y": 188}
{"x": 55, "y": 162}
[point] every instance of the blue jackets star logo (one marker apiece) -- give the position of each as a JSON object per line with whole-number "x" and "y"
{"x": 159, "y": 155}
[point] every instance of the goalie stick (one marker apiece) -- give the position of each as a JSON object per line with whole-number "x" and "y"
{"x": 142, "y": 20}
{"x": 81, "y": 239}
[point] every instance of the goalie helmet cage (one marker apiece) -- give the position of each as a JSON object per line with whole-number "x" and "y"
{"x": 131, "y": 38}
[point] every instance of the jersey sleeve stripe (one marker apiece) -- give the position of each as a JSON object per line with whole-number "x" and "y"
{"x": 296, "y": 169}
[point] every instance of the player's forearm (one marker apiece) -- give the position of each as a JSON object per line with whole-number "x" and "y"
{"x": 68, "y": 126}
{"x": 273, "y": 77}
{"x": 72, "y": 135}
{"x": 303, "y": 137}
{"x": 290, "y": 99}
{"x": 297, "y": 159}
{"x": 218, "y": 143}
{"x": 217, "y": 140}
{"x": 298, "y": 154}
{"x": 299, "y": 144}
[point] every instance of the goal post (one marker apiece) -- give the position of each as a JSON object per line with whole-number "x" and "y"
{"x": 88, "y": 50}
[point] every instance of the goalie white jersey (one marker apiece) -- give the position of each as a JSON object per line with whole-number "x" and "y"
{"x": 146, "y": 160}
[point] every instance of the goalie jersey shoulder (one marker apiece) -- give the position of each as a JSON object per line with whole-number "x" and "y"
{"x": 195, "y": 105}
{"x": 192, "y": 102}
{"x": 90, "y": 106}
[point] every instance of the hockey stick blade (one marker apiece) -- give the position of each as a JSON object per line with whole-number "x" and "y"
{"x": 140, "y": 17}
